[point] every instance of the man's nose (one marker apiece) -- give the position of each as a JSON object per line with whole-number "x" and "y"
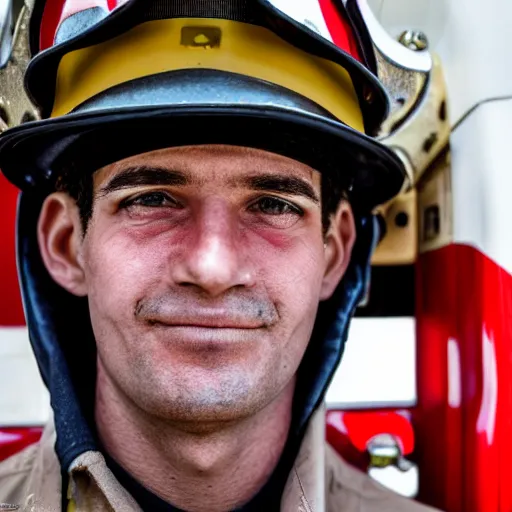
{"x": 214, "y": 259}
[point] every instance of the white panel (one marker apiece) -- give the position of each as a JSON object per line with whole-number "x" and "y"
{"x": 23, "y": 398}
{"x": 379, "y": 365}
{"x": 429, "y": 16}
{"x": 307, "y": 12}
{"x": 482, "y": 181}
{"x": 471, "y": 37}
{"x": 376, "y": 7}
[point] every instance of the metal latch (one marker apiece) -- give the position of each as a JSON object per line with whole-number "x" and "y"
{"x": 390, "y": 468}
{"x": 15, "y": 106}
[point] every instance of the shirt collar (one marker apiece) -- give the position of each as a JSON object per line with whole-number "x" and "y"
{"x": 92, "y": 480}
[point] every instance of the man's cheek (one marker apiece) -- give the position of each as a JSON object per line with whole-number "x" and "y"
{"x": 296, "y": 296}
{"x": 115, "y": 278}
{"x": 298, "y": 271}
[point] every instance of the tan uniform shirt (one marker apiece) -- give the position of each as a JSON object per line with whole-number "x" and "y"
{"x": 320, "y": 481}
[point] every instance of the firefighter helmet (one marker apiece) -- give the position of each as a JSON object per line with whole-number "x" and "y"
{"x": 113, "y": 79}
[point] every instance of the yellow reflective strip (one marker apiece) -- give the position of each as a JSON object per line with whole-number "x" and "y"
{"x": 71, "y": 506}
{"x": 157, "y": 46}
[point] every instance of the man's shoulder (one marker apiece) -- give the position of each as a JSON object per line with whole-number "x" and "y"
{"x": 351, "y": 489}
{"x": 15, "y": 472}
{"x": 32, "y": 475}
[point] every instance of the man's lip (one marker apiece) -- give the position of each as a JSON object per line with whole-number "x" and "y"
{"x": 209, "y": 322}
{"x": 207, "y": 325}
{"x": 210, "y": 337}
{"x": 229, "y": 312}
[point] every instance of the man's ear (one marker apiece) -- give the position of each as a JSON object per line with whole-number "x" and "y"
{"x": 339, "y": 242}
{"x": 59, "y": 234}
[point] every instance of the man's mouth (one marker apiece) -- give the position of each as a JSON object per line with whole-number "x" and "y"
{"x": 194, "y": 335}
{"x": 230, "y": 313}
{"x": 210, "y": 319}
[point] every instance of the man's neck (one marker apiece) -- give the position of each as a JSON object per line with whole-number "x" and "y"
{"x": 215, "y": 468}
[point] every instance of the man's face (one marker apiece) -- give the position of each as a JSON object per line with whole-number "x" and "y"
{"x": 204, "y": 267}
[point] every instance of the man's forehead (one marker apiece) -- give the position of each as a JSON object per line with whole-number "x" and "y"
{"x": 208, "y": 160}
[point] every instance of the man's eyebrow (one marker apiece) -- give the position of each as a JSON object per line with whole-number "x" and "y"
{"x": 152, "y": 175}
{"x": 144, "y": 175}
{"x": 280, "y": 183}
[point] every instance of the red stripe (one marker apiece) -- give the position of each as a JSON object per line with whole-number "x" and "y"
{"x": 340, "y": 28}
{"x": 13, "y": 440}
{"x": 49, "y": 22}
{"x": 11, "y": 311}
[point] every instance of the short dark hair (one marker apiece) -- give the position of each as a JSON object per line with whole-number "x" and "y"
{"x": 79, "y": 185}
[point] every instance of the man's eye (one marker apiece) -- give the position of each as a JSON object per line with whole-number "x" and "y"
{"x": 150, "y": 200}
{"x": 275, "y": 206}
{"x": 276, "y": 213}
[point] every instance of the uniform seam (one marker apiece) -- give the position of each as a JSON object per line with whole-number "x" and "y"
{"x": 310, "y": 509}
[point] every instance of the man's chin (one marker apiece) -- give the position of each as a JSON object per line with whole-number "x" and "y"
{"x": 206, "y": 395}
{"x": 200, "y": 413}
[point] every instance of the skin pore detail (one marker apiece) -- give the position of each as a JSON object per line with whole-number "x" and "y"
{"x": 203, "y": 267}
